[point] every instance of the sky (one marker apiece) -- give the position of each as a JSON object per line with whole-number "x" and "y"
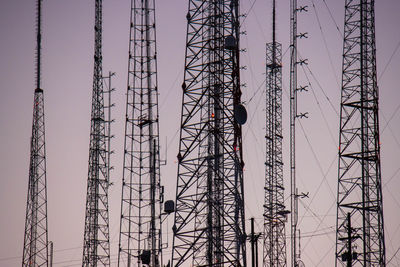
{"x": 67, "y": 70}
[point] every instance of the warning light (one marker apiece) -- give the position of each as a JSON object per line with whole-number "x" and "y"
{"x": 212, "y": 115}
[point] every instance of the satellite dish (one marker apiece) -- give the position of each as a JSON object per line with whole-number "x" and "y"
{"x": 169, "y": 206}
{"x": 240, "y": 114}
{"x": 300, "y": 264}
{"x": 230, "y": 42}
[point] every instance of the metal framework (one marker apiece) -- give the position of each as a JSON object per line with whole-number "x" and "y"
{"x": 360, "y": 230}
{"x": 96, "y": 245}
{"x": 35, "y": 251}
{"x": 140, "y": 224}
{"x": 275, "y": 215}
{"x": 209, "y": 226}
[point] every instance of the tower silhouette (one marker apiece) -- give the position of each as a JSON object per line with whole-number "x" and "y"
{"x": 209, "y": 226}
{"x": 359, "y": 231}
{"x": 35, "y": 252}
{"x": 275, "y": 215}
{"x": 96, "y": 244}
{"x": 140, "y": 222}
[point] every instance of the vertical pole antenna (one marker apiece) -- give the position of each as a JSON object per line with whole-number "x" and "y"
{"x": 293, "y": 115}
{"x": 38, "y": 43}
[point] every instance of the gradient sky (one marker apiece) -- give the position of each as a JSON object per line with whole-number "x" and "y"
{"x": 67, "y": 82}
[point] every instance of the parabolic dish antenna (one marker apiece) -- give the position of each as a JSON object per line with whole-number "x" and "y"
{"x": 240, "y": 114}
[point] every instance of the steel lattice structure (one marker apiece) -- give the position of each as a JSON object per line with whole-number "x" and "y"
{"x": 360, "y": 229}
{"x": 275, "y": 215}
{"x": 140, "y": 224}
{"x": 35, "y": 251}
{"x": 209, "y": 227}
{"x": 96, "y": 244}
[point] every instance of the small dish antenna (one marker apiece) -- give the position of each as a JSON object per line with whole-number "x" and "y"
{"x": 230, "y": 42}
{"x": 240, "y": 114}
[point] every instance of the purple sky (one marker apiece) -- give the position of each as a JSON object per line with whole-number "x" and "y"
{"x": 67, "y": 83}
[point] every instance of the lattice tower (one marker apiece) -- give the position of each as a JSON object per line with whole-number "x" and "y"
{"x": 275, "y": 215}
{"x": 209, "y": 226}
{"x": 360, "y": 231}
{"x": 35, "y": 251}
{"x": 140, "y": 224}
{"x": 96, "y": 245}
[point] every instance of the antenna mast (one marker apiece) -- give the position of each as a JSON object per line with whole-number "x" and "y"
{"x": 35, "y": 252}
{"x": 294, "y": 195}
{"x": 140, "y": 224}
{"x": 360, "y": 236}
{"x": 293, "y": 116}
{"x": 209, "y": 226}
{"x": 96, "y": 245}
{"x": 275, "y": 215}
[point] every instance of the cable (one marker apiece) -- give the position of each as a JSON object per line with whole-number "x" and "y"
{"x": 320, "y": 86}
{"x": 318, "y": 163}
{"x": 319, "y": 107}
{"x": 11, "y": 258}
{"x": 170, "y": 89}
{"x": 326, "y": 44}
{"x": 391, "y": 117}
{"x": 328, "y": 252}
{"x": 333, "y": 19}
{"x": 247, "y": 13}
{"x": 390, "y": 60}
{"x": 393, "y": 256}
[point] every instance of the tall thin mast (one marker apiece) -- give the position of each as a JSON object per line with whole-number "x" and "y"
{"x": 96, "y": 245}
{"x": 360, "y": 239}
{"x": 294, "y": 115}
{"x": 39, "y": 44}
{"x": 275, "y": 215}
{"x": 209, "y": 219}
{"x": 35, "y": 252}
{"x": 140, "y": 223}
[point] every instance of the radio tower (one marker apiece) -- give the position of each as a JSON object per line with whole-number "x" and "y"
{"x": 294, "y": 195}
{"x": 140, "y": 223}
{"x": 275, "y": 215}
{"x": 96, "y": 245}
{"x": 360, "y": 230}
{"x": 209, "y": 226}
{"x": 35, "y": 238}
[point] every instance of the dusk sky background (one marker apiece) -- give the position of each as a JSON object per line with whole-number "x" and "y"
{"x": 67, "y": 70}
